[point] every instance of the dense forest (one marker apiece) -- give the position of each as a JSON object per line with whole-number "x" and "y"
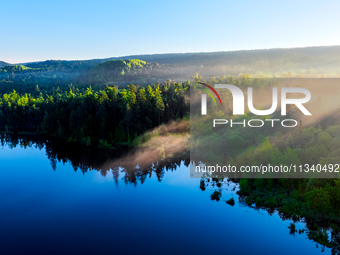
{"x": 103, "y": 117}
{"x": 47, "y": 76}
{"x": 302, "y": 62}
{"x": 313, "y": 139}
{"x": 123, "y": 71}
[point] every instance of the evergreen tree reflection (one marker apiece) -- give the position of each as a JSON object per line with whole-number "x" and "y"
{"x": 86, "y": 159}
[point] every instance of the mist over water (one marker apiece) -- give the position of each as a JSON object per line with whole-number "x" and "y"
{"x": 57, "y": 198}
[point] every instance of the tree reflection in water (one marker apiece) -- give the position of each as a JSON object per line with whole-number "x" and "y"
{"x": 119, "y": 161}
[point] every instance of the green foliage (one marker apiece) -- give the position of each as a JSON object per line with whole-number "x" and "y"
{"x": 160, "y": 67}
{"x": 103, "y": 144}
{"x": 14, "y": 68}
{"x": 245, "y": 188}
{"x": 162, "y": 153}
{"x": 119, "y": 70}
{"x": 320, "y": 236}
{"x": 93, "y": 117}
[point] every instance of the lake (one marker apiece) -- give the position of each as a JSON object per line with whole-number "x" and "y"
{"x": 58, "y": 198}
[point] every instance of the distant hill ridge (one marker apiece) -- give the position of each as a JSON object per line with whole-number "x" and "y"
{"x": 309, "y": 56}
{"x": 119, "y": 70}
{"x": 2, "y": 64}
{"x": 148, "y": 69}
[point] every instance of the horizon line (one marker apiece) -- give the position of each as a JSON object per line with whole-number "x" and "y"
{"x": 169, "y": 53}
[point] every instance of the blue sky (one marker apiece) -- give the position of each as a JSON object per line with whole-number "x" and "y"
{"x": 39, "y": 30}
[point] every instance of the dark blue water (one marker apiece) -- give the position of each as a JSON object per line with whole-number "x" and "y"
{"x": 43, "y": 211}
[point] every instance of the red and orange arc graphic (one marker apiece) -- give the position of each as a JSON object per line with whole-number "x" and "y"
{"x": 213, "y": 90}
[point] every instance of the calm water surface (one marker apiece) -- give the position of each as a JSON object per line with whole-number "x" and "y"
{"x": 53, "y": 209}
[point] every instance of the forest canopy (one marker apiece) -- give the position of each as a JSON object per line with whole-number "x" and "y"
{"x": 107, "y": 116}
